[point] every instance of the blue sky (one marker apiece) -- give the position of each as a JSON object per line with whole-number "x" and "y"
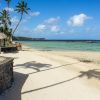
{"x": 58, "y": 19}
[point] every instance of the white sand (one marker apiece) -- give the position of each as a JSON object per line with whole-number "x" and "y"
{"x": 50, "y": 75}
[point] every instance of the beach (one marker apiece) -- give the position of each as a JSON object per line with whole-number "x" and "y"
{"x": 54, "y": 75}
{"x": 49, "y": 50}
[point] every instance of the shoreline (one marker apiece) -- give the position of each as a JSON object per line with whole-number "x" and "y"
{"x": 83, "y": 56}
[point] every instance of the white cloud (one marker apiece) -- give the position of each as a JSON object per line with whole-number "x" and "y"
{"x": 50, "y": 25}
{"x": 40, "y": 28}
{"x": 78, "y": 20}
{"x": 14, "y": 19}
{"x": 55, "y": 29}
{"x": 34, "y": 13}
{"x": 52, "y": 20}
{"x": 9, "y": 9}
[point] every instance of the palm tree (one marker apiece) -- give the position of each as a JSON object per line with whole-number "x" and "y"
{"x": 4, "y": 19}
{"x": 21, "y": 8}
{"x": 8, "y": 4}
{"x": 5, "y": 23}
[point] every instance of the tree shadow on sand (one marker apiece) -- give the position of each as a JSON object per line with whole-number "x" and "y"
{"x": 94, "y": 73}
{"x": 14, "y": 93}
{"x": 34, "y": 65}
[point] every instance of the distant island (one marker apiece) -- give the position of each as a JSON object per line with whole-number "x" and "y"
{"x": 27, "y": 39}
{"x": 44, "y": 39}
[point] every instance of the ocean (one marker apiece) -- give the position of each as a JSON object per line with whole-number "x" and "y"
{"x": 63, "y": 45}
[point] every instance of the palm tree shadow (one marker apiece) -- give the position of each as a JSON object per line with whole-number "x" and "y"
{"x": 14, "y": 93}
{"x": 94, "y": 73}
{"x": 52, "y": 85}
{"x": 90, "y": 74}
{"x": 34, "y": 65}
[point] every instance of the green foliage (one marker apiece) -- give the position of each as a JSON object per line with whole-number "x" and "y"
{"x": 22, "y": 7}
{"x": 5, "y": 19}
{"x": 5, "y": 22}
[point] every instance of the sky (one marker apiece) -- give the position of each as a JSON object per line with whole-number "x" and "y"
{"x": 58, "y": 19}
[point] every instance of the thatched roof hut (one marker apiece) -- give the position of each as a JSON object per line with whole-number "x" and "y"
{"x": 2, "y": 39}
{"x": 2, "y": 36}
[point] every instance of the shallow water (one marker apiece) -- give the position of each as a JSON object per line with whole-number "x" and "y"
{"x": 54, "y": 45}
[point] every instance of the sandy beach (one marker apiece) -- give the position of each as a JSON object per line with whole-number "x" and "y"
{"x": 49, "y": 50}
{"x": 54, "y": 75}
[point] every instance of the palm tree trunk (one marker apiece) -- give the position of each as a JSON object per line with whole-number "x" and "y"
{"x": 17, "y": 24}
{"x": 8, "y": 7}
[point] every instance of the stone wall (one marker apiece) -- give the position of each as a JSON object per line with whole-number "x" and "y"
{"x": 6, "y": 73}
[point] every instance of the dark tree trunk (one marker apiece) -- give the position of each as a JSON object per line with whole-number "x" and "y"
{"x": 18, "y": 24}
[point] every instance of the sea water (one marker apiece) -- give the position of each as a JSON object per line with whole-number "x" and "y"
{"x": 63, "y": 45}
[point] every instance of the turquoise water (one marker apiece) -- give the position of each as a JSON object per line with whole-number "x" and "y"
{"x": 51, "y": 45}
